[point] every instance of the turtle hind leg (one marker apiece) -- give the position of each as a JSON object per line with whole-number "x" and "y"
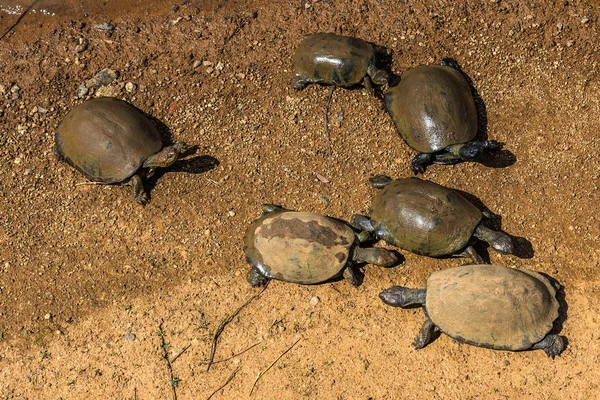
{"x": 552, "y": 344}
{"x": 139, "y": 193}
{"x": 420, "y": 161}
{"x": 426, "y": 335}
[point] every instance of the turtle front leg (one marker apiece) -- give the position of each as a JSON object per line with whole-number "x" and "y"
{"x": 256, "y": 279}
{"x": 420, "y": 161}
{"x": 426, "y": 335}
{"x": 362, "y": 223}
{"x": 139, "y": 193}
{"x": 470, "y": 151}
{"x": 368, "y": 84}
{"x": 351, "y": 276}
{"x": 470, "y": 252}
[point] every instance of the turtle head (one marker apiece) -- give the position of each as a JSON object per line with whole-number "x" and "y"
{"x": 167, "y": 156}
{"x": 502, "y": 243}
{"x": 399, "y": 296}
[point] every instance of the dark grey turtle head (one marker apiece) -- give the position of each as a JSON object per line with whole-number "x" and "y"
{"x": 399, "y": 296}
{"x": 502, "y": 243}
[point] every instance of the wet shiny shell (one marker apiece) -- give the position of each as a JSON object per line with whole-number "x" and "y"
{"x": 332, "y": 59}
{"x": 107, "y": 139}
{"x": 298, "y": 247}
{"x": 492, "y": 306}
{"x": 423, "y": 217}
{"x": 433, "y": 108}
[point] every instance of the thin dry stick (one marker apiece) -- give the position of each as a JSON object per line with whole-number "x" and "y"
{"x": 10, "y": 28}
{"x": 224, "y": 323}
{"x": 260, "y": 374}
{"x": 327, "y": 121}
{"x": 235, "y": 355}
{"x": 173, "y": 381}
{"x": 180, "y": 353}
{"x": 225, "y": 384}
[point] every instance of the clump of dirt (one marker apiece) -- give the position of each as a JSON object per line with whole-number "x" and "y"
{"x": 104, "y": 297}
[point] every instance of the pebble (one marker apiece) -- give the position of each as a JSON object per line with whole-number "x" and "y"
{"x": 102, "y": 78}
{"x": 82, "y": 46}
{"x": 196, "y": 64}
{"x": 47, "y": 316}
{"x": 314, "y": 301}
{"x": 130, "y": 87}
{"x": 105, "y": 26}
{"x": 108, "y": 91}
{"x": 82, "y": 91}
{"x": 16, "y": 92}
{"x": 130, "y": 336}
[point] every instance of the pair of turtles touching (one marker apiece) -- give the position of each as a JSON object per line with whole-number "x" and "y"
{"x": 488, "y": 306}
{"x": 432, "y": 106}
{"x": 413, "y": 214}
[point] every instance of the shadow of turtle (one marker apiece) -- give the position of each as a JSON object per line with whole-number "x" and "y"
{"x": 522, "y": 247}
{"x": 494, "y": 159}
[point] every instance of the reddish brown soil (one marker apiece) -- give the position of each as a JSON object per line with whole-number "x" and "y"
{"x": 88, "y": 276}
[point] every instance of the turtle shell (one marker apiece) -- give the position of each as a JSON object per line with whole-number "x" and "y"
{"x": 298, "y": 247}
{"x": 433, "y": 108}
{"x": 333, "y": 59}
{"x": 423, "y": 217}
{"x": 492, "y": 306}
{"x": 106, "y": 139}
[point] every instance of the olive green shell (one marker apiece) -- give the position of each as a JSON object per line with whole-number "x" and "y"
{"x": 333, "y": 59}
{"x": 492, "y": 306}
{"x": 106, "y": 139}
{"x": 433, "y": 108}
{"x": 423, "y": 217}
{"x": 298, "y": 247}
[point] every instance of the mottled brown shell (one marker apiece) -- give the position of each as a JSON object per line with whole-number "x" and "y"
{"x": 423, "y": 217}
{"x": 433, "y": 108}
{"x": 299, "y": 247}
{"x": 333, "y": 59}
{"x": 492, "y": 306}
{"x": 106, "y": 139}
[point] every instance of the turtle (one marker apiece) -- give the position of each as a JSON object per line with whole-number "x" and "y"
{"x": 306, "y": 248}
{"x": 110, "y": 141}
{"x": 341, "y": 61}
{"x": 434, "y": 112}
{"x": 485, "y": 305}
{"x": 428, "y": 219}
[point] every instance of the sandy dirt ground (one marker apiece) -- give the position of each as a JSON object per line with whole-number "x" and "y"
{"x": 103, "y": 298}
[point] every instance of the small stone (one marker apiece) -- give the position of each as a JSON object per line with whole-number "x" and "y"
{"x": 559, "y": 26}
{"x": 47, "y": 316}
{"x": 105, "y": 26}
{"x": 15, "y": 92}
{"x": 206, "y": 63}
{"x": 314, "y": 301}
{"x": 220, "y": 66}
{"x": 175, "y": 8}
{"x": 209, "y": 70}
{"x": 102, "y": 78}
{"x": 196, "y": 64}
{"x": 231, "y": 213}
{"x": 42, "y": 110}
{"x": 130, "y": 87}
{"x": 130, "y": 336}
{"x": 82, "y": 45}
{"x": 107, "y": 91}
{"x": 82, "y": 91}
{"x": 585, "y": 20}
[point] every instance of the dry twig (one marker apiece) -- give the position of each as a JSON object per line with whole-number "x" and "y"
{"x": 225, "y": 384}
{"x": 224, "y": 323}
{"x": 235, "y": 355}
{"x": 174, "y": 381}
{"x": 260, "y": 374}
